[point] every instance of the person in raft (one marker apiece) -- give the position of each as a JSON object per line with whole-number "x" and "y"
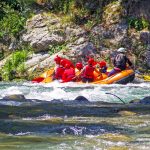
{"x": 120, "y": 61}
{"x": 78, "y": 69}
{"x": 103, "y": 67}
{"x": 69, "y": 73}
{"x": 88, "y": 71}
{"x": 59, "y": 68}
{"x": 67, "y": 61}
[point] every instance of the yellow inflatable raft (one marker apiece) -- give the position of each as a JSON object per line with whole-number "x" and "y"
{"x": 123, "y": 77}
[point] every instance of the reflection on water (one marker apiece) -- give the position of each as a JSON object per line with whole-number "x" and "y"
{"x": 22, "y": 127}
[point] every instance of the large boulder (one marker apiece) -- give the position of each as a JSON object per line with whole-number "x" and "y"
{"x": 112, "y": 36}
{"x": 43, "y": 30}
{"x": 35, "y": 59}
{"x": 113, "y": 31}
{"x": 80, "y": 52}
{"x": 79, "y": 44}
{"x": 41, "y": 62}
{"x": 137, "y": 8}
{"x": 74, "y": 32}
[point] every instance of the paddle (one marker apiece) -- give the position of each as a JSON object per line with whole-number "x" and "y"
{"x": 38, "y": 80}
{"x": 48, "y": 79}
{"x": 44, "y": 77}
{"x": 117, "y": 97}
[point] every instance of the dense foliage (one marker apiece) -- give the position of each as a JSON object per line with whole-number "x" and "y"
{"x": 14, "y": 14}
{"x": 57, "y": 48}
{"x": 12, "y": 23}
{"x": 138, "y": 23}
{"x": 14, "y": 65}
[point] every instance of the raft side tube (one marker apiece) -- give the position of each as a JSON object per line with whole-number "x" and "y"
{"x": 123, "y": 77}
{"x": 126, "y": 79}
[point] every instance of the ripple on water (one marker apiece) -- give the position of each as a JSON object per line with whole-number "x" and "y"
{"x": 80, "y": 133}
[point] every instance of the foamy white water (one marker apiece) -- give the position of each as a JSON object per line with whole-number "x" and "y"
{"x": 69, "y": 91}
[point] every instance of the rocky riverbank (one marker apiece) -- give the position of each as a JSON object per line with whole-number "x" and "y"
{"x": 94, "y": 34}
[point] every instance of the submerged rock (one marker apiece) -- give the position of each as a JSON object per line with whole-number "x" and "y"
{"x": 135, "y": 101}
{"x": 81, "y": 99}
{"x": 145, "y": 100}
{"x": 70, "y": 108}
{"x": 14, "y": 97}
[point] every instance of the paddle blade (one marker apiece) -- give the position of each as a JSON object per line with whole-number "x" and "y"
{"x": 47, "y": 73}
{"x": 38, "y": 80}
{"x": 48, "y": 80}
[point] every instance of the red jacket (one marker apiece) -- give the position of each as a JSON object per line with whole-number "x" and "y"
{"x": 88, "y": 72}
{"x": 67, "y": 61}
{"x": 59, "y": 72}
{"x": 68, "y": 75}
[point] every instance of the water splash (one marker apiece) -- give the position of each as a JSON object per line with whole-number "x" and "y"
{"x": 69, "y": 91}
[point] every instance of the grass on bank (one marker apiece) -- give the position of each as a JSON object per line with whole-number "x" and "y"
{"x": 57, "y": 48}
{"x": 138, "y": 23}
{"x": 14, "y": 66}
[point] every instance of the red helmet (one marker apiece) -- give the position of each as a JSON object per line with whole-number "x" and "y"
{"x": 79, "y": 65}
{"x": 57, "y": 59}
{"x": 67, "y": 65}
{"x": 90, "y": 61}
{"x": 63, "y": 62}
{"x": 102, "y": 64}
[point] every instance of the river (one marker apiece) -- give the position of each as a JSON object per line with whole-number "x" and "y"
{"x": 26, "y": 125}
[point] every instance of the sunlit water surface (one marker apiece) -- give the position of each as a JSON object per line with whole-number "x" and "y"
{"x": 75, "y": 133}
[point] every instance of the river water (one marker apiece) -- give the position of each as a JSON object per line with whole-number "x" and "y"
{"x": 27, "y": 126}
